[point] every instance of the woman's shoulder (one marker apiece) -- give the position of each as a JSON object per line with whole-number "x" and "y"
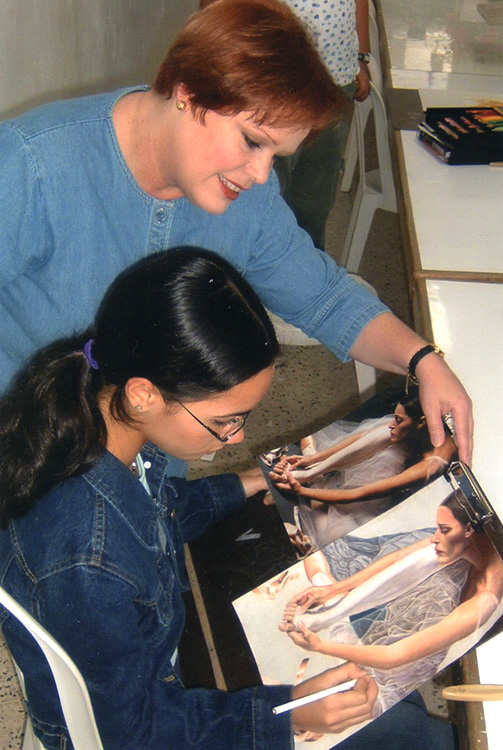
{"x": 62, "y": 113}
{"x": 102, "y": 519}
{"x": 76, "y": 500}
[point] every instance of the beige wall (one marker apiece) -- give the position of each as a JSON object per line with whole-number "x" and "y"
{"x": 52, "y": 49}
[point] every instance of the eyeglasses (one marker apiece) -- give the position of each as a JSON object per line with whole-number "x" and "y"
{"x": 239, "y": 421}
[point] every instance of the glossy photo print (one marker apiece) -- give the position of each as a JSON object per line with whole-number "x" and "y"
{"x": 346, "y": 474}
{"x": 402, "y": 596}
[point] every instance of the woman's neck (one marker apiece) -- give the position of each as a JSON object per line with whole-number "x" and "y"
{"x": 141, "y": 121}
{"x": 480, "y": 552}
{"x": 124, "y": 441}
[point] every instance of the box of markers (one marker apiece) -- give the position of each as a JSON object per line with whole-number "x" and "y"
{"x": 464, "y": 135}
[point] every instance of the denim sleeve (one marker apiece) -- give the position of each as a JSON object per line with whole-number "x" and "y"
{"x": 300, "y": 283}
{"x": 135, "y": 692}
{"x": 23, "y": 233}
{"x": 202, "y": 502}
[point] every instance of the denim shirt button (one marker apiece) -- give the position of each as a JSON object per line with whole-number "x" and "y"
{"x": 173, "y": 514}
{"x": 161, "y": 215}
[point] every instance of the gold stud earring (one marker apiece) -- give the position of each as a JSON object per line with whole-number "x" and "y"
{"x": 180, "y": 104}
{"x": 137, "y": 407}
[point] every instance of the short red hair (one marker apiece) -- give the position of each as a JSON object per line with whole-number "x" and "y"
{"x": 252, "y": 56}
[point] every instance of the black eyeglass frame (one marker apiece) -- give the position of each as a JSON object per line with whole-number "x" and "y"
{"x": 212, "y": 432}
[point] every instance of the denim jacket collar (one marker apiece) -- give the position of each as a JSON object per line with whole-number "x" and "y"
{"x": 112, "y": 479}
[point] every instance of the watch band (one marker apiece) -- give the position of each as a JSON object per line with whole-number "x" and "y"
{"x": 364, "y": 57}
{"x": 416, "y": 359}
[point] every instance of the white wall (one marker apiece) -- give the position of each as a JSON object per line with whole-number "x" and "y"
{"x": 52, "y": 49}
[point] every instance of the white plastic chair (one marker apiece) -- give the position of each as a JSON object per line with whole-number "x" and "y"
{"x": 72, "y": 690}
{"x": 375, "y": 69}
{"x": 376, "y": 188}
{"x": 366, "y": 376}
{"x": 288, "y": 334}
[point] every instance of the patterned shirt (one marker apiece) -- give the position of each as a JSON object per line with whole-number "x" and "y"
{"x": 333, "y": 25}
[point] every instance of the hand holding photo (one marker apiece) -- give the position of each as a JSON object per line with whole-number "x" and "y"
{"x": 346, "y": 474}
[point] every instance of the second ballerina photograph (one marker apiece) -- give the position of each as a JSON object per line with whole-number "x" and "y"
{"x": 402, "y": 596}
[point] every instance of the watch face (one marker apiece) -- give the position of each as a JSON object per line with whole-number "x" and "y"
{"x": 364, "y": 57}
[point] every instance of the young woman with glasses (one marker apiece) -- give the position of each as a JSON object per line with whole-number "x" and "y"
{"x": 181, "y": 352}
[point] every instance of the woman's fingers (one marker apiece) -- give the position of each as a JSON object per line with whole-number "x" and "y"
{"x": 303, "y": 637}
{"x": 341, "y": 710}
{"x": 285, "y": 481}
{"x": 442, "y": 393}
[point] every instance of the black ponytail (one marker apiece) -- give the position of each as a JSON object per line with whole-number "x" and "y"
{"x": 50, "y": 425}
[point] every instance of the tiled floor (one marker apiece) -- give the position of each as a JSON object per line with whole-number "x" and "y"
{"x": 311, "y": 388}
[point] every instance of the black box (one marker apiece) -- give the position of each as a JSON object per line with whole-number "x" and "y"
{"x": 464, "y": 135}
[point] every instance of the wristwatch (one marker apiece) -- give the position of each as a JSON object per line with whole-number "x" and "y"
{"x": 364, "y": 57}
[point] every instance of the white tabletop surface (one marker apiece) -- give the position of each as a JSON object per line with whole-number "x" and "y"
{"x": 443, "y": 44}
{"x": 467, "y": 321}
{"x": 447, "y": 46}
{"x": 457, "y": 211}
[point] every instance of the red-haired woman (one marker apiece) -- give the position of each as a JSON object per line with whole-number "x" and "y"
{"x": 88, "y": 186}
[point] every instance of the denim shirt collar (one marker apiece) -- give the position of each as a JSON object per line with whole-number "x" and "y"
{"x": 113, "y": 480}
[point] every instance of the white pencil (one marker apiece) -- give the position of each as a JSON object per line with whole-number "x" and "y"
{"x": 342, "y": 688}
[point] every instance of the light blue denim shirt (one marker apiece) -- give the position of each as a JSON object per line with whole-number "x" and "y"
{"x": 73, "y": 217}
{"x": 100, "y": 563}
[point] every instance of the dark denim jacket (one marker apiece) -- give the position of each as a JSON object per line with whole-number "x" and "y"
{"x": 100, "y": 564}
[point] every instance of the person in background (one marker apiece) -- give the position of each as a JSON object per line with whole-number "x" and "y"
{"x": 90, "y": 185}
{"x": 308, "y": 179}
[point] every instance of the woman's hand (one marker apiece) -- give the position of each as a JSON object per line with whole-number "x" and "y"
{"x": 362, "y": 83}
{"x": 302, "y": 543}
{"x": 307, "y": 599}
{"x": 314, "y": 596}
{"x": 339, "y": 711}
{"x": 440, "y": 393}
{"x": 286, "y": 482}
{"x": 387, "y": 344}
{"x": 306, "y": 639}
{"x": 292, "y": 462}
{"x": 297, "y": 462}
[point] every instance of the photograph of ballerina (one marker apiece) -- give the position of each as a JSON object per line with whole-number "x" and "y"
{"x": 402, "y": 596}
{"x": 342, "y": 476}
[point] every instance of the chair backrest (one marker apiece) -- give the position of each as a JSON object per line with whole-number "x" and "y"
{"x": 384, "y": 172}
{"x": 72, "y": 690}
{"x": 375, "y": 51}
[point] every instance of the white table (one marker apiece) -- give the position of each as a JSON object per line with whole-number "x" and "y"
{"x": 457, "y": 212}
{"x": 453, "y": 223}
{"x": 467, "y": 323}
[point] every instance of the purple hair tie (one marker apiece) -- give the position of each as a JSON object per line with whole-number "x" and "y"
{"x": 89, "y": 356}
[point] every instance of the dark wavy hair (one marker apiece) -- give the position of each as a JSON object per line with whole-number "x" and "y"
{"x": 184, "y": 319}
{"x": 419, "y": 439}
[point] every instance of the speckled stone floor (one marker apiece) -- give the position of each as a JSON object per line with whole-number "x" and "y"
{"x": 311, "y": 388}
